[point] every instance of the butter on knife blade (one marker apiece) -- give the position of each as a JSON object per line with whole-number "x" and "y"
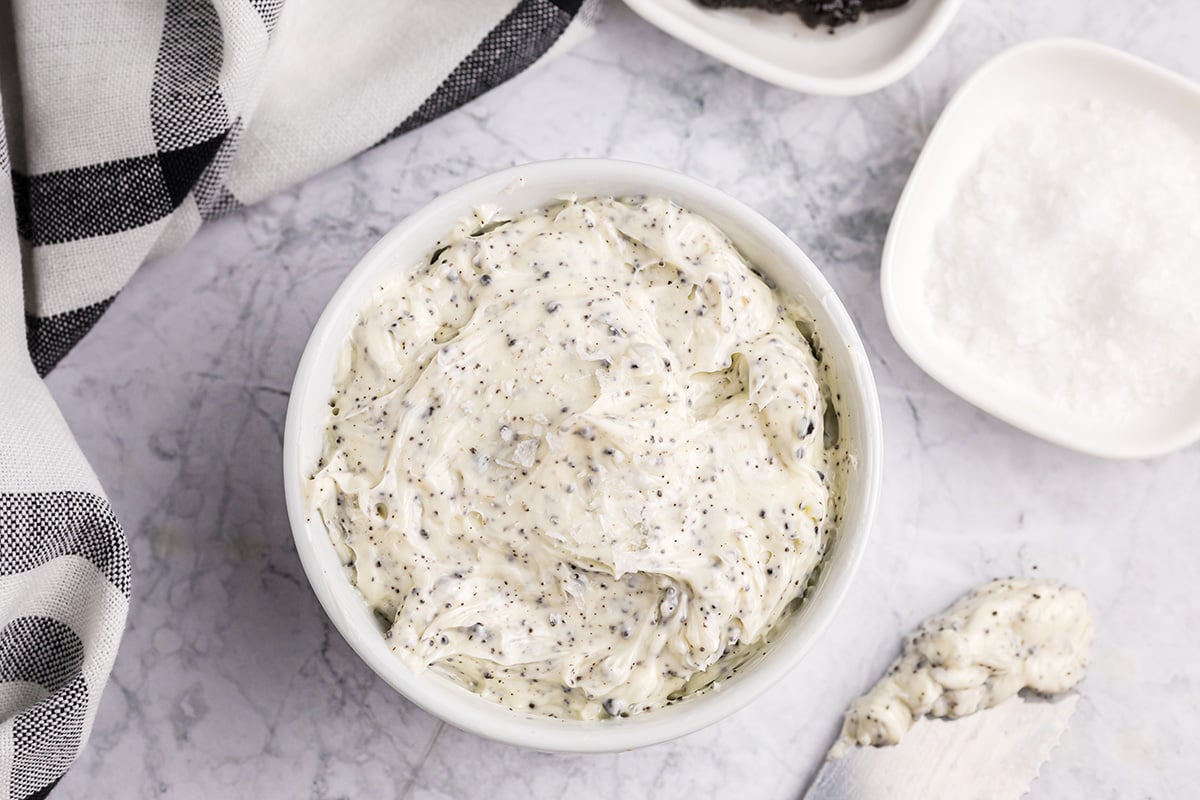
{"x": 991, "y": 755}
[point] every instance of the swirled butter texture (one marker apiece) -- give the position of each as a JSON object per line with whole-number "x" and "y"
{"x": 576, "y": 459}
{"x": 1003, "y": 637}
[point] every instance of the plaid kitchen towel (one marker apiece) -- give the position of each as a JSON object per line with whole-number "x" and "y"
{"x": 127, "y": 125}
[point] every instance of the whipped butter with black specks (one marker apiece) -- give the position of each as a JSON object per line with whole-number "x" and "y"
{"x": 576, "y": 459}
{"x": 1005, "y": 636}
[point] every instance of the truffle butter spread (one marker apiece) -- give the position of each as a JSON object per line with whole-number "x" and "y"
{"x": 575, "y": 459}
{"x": 1003, "y": 637}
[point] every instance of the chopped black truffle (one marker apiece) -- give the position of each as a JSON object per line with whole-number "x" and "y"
{"x": 830, "y": 13}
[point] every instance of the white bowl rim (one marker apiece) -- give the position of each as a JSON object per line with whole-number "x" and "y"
{"x": 897, "y": 317}
{"x": 904, "y": 62}
{"x": 457, "y": 705}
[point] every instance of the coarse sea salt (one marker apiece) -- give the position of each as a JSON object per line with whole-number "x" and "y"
{"x": 1069, "y": 262}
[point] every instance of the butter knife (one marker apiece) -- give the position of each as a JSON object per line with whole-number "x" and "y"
{"x": 992, "y": 755}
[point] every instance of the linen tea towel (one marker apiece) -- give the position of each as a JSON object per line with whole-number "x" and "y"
{"x": 125, "y": 126}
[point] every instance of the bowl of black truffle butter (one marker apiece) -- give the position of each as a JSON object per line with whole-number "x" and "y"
{"x": 830, "y": 47}
{"x": 582, "y": 456}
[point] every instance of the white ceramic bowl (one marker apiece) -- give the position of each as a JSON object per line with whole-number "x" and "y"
{"x": 878, "y": 50}
{"x": 1051, "y": 70}
{"x": 518, "y": 189}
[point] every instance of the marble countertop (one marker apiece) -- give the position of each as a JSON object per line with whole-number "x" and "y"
{"x": 230, "y": 681}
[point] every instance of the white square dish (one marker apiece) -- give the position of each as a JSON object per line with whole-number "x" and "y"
{"x": 1029, "y": 75}
{"x": 878, "y": 50}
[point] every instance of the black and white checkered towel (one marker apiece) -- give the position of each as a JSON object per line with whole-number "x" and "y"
{"x": 128, "y": 124}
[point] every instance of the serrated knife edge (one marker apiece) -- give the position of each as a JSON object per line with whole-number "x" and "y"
{"x": 992, "y": 755}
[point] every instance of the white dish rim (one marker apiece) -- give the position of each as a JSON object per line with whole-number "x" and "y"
{"x": 904, "y": 62}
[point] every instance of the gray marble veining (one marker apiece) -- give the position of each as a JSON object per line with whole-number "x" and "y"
{"x": 230, "y": 682}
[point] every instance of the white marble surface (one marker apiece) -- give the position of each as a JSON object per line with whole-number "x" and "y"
{"x": 230, "y": 682}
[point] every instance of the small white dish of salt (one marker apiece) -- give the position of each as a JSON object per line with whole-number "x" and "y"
{"x": 1043, "y": 262}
